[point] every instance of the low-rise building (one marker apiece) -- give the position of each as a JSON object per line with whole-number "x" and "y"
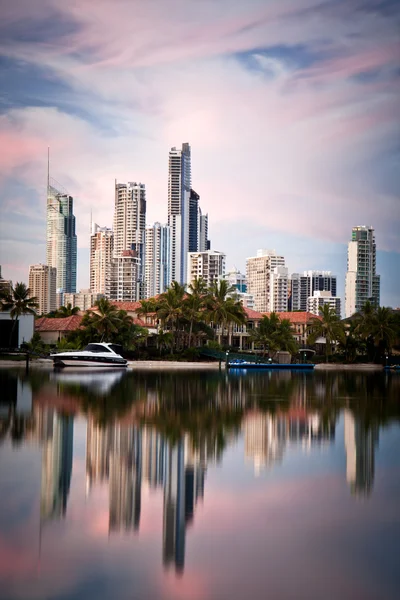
{"x": 84, "y": 299}
{"x": 13, "y": 332}
{"x": 53, "y": 330}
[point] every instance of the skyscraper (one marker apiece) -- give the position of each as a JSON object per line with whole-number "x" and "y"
{"x": 61, "y": 246}
{"x": 130, "y": 232}
{"x": 43, "y": 285}
{"x": 204, "y": 242}
{"x": 179, "y": 185}
{"x": 158, "y": 259}
{"x": 303, "y": 287}
{"x": 258, "y": 272}
{"x": 194, "y": 221}
{"x": 101, "y": 253}
{"x": 209, "y": 265}
{"x": 362, "y": 282}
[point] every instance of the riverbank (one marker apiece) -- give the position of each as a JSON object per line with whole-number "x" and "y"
{"x": 165, "y": 365}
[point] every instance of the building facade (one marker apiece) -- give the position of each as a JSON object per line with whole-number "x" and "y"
{"x": 302, "y": 286}
{"x": 124, "y": 283}
{"x": 179, "y": 186}
{"x": 258, "y": 275}
{"x": 84, "y": 299}
{"x": 362, "y": 282}
{"x": 130, "y": 228}
{"x": 61, "y": 241}
{"x": 278, "y": 297}
{"x": 319, "y": 299}
{"x": 158, "y": 259}
{"x": 101, "y": 254}
{"x": 209, "y": 265}
{"x": 43, "y": 285}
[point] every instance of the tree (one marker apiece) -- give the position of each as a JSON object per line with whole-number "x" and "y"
{"x": 223, "y": 309}
{"x": 382, "y": 330}
{"x": 327, "y": 326}
{"x": 194, "y": 304}
{"x": 272, "y": 334}
{"x": 67, "y": 311}
{"x": 106, "y": 320}
{"x": 169, "y": 307}
{"x": 18, "y": 302}
{"x": 165, "y": 339}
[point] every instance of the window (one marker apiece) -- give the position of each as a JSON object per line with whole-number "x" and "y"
{"x": 97, "y": 348}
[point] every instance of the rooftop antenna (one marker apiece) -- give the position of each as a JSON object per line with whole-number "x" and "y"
{"x": 48, "y": 169}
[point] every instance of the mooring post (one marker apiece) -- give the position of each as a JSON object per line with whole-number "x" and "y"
{"x": 27, "y": 362}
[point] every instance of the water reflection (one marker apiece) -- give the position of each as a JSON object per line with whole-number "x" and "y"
{"x": 164, "y": 430}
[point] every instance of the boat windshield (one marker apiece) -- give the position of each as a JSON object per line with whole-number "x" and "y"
{"x": 97, "y": 348}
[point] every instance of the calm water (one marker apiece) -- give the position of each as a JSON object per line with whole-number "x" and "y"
{"x": 199, "y": 485}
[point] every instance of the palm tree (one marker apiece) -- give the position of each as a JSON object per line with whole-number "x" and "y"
{"x": 67, "y": 311}
{"x": 194, "y": 304}
{"x": 223, "y": 309}
{"x": 146, "y": 307}
{"x": 382, "y": 330}
{"x": 19, "y": 302}
{"x": 265, "y": 335}
{"x": 327, "y": 326}
{"x": 165, "y": 339}
{"x": 285, "y": 338}
{"x": 106, "y": 319}
{"x": 169, "y": 306}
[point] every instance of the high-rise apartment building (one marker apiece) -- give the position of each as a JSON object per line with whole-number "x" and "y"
{"x": 101, "y": 254}
{"x": 5, "y": 285}
{"x": 130, "y": 230}
{"x": 179, "y": 186}
{"x": 61, "y": 245}
{"x": 123, "y": 284}
{"x": 43, "y": 285}
{"x": 319, "y": 299}
{"x": 278, "y": 286}
{"x": 194, "y": 221}
{"x": 158, "y": 259}
{"x": 209, "y": 265}
{"x": 204, "y": 242}
{"x": 258, "y": 273}
{"x": 362, "y": 282}
{"x": 236, "y": 279}
{"x": 303, "y": 286}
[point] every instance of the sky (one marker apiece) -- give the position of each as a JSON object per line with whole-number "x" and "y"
{"x": 290, "y": 107}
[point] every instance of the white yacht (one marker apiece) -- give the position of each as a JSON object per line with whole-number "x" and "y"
{"x": 98, "y": 355}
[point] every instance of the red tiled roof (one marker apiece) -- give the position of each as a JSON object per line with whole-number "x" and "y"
{"x": 59, "y": 324}
{"x": 252, "y": 314}
{"x": 297, "y": 318}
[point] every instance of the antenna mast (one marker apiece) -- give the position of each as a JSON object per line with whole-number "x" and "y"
{"x": 48, "y": 168}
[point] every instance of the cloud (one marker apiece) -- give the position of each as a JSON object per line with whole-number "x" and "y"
{"x": 287, "y": 133}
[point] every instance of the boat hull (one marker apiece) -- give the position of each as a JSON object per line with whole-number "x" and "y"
{"x": 272, "y": 366}
{"x": 91, "y": 363}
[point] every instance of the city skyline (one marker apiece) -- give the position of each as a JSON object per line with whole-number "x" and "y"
{"x": 294, "y": 126}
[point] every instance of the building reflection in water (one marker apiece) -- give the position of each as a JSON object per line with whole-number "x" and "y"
{"x": 126, "y": 455}
{"x": 55, "y": 434}
{"x": 266, "y": 436}
{"x": 360, "y": 443}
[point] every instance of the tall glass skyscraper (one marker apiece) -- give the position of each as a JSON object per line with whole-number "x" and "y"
{"x": 179, "y": 185}
{"x": 61, "y": 247}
